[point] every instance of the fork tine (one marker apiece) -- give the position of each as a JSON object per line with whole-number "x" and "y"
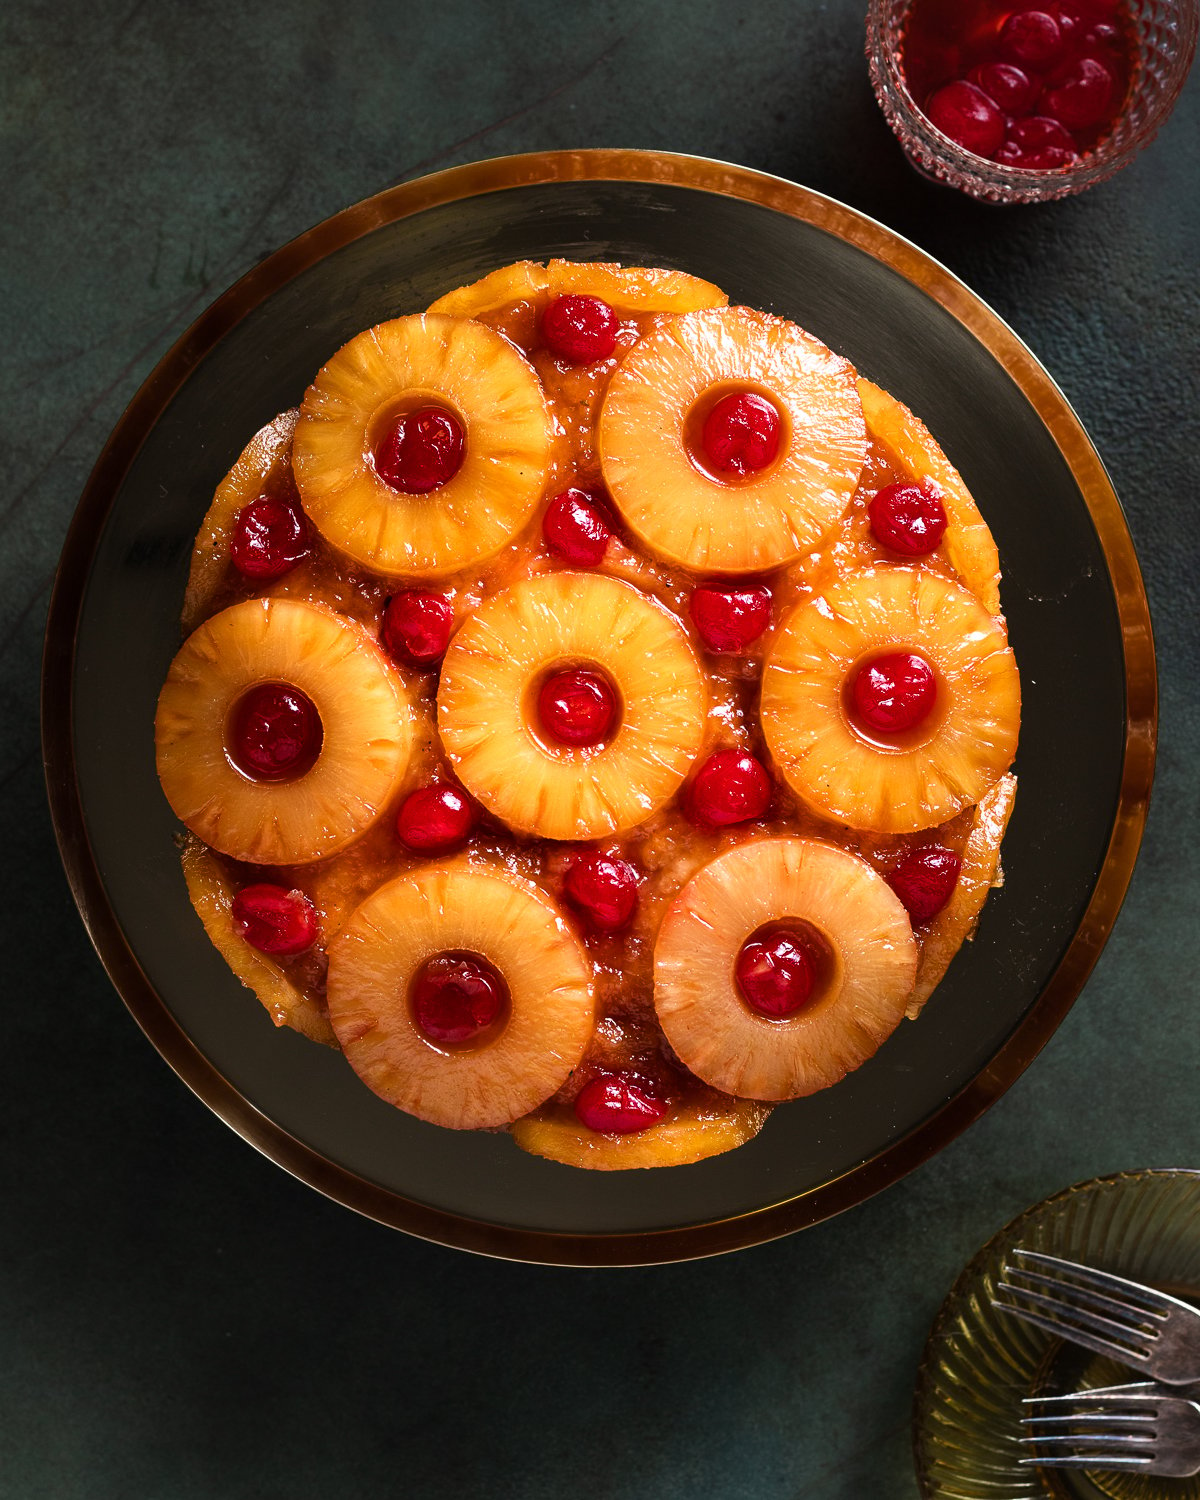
{"x": 1102, "y": 1281}
{"x": 1061, "y": 1329}
{"x": 1113, "y": 1395}
{"x": 1116, "y": 1336}
{"x": 1093, "y": 1421}
{"x": 1123, "y": 1312}
{"x": 1090, "y": 1461}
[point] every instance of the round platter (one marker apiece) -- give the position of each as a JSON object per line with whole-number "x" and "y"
{"x": 1072, "y": 592}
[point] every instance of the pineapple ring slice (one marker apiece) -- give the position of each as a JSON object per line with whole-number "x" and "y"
{"x": 693, "y": 1131}
{"x": 516, "y": 927}
{"x": 626, "y": 289}
{"x": 702, "y": 1013}
{"x": 491, "y": 673}
{"x": 366, "y": 720}
{"x": 493, "y": 391}
{"x": 756, "y": 523}
{"x": 972, "y": 735}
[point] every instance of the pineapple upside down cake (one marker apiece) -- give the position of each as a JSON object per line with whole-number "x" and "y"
{"x": 596, "y": 716}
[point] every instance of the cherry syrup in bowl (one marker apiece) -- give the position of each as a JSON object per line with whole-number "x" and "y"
{"x": 1024, "y": 103}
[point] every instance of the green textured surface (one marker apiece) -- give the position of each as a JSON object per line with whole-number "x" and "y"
{"x": 177, "y": 1317}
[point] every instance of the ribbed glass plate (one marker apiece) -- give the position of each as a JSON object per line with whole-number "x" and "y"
{"x": 979, "y": 1364}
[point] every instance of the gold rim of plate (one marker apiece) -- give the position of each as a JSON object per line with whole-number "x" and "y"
{"x": 770, "y": 1220}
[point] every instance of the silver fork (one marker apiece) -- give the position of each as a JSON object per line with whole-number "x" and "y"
{"x": 1149, "y": 1434}
{"x": 1121, "y": 1319}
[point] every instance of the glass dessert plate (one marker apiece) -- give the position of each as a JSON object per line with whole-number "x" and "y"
{"x": 1073, "y": 597}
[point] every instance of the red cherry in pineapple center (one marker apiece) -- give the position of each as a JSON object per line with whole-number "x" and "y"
{"x": 894, "y": 693}
{"x": 274, "y": 733}
{"x": 578, "y": 707}
{"x": 777, "y": 972}
{"x": 457, "y": 997}
{"x": 420, "y": 450}
{"x": 619, "y": 1104}
{"x": 741, "y": 434}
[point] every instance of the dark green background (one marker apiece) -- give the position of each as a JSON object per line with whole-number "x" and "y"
{"x": 178, "y": 1318}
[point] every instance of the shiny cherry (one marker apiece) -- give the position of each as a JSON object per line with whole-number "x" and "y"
{"x": 741, "y": 434}
{"x": 1037, "y": 143}
{"x": 908, "y": 518}
{"x": 1032, "y": 39}
{"x": 925, "y": 880}
{"x": 456, "y": 997}
{"x": 1010, "y": 89}
{"x": 416, "y": 627}
{"x": 435, "y": 819}
{"x": 894, "y": 693}
{"x": 577, "y": 528}
{"x": 421, "y": 450}
{"x": 580, "y": 330}
{"x": 730, "y": 619}
{"x": 274, "y": 733}
{"x": 730, "y": 787}
{"x": 776, "y": 973}
{"x": 274, "y": 920}
{"x": 270, "y": 536}
{"x": 578, "y": 707}
{"x": 966, "y": 114}
{"x": 1082, "y": 97}
{"x": 603, "y": 889}
{"x": 619, "y": 1104}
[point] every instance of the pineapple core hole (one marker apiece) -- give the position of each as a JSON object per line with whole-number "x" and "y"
{"x": 736, "y": 432}
{"x": 893, "y": 698}
{"x": 785, "y": 968}
{"x": 273, "y": 732}
{"x": 416, "y": 443}
{"x": 459, "y": 1001}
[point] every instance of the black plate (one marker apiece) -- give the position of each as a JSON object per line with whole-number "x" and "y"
{"x": 1072, "y": 593}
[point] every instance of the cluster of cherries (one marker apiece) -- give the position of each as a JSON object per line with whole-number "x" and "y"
{"x": 1029, "y": 88}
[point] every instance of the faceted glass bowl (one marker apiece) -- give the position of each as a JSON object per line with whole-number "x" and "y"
{"x": 1166, "y": 32}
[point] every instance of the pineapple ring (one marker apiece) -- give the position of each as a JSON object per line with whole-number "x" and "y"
{"x": 489, "y": 386}
{"x": 365, "y": 717}
{"x": 516, "y": 927}
{"x": 626, "y": 289}
{"x": 695, "y": 992}
{"x": 751, "y": 524}
{"x": 492, "y": 670}
{"x": 972, "y": 737}
{"x": 693, "y": 1131}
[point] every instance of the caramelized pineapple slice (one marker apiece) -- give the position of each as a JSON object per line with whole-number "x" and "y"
{"x": 968, "y": 543}
{"x": 692, "y": 1131}
{"x": 451, "y": 365}
{"x": 212, "y": 894}
{"x": 365, "y": 723}
{"x": 487, "y": 705}
{"x": 978, "y": 874}
{"x": 651, "y": 450}
{"x": 375, "y": 961}
{"x": 626, "y": 289}
{"x": 920, "y": 780}
{"x": 859, "y": 999}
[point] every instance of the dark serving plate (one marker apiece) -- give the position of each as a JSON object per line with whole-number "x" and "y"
{"x": 1072, "y": 592}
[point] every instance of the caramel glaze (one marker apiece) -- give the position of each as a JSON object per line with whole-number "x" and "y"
{"x": 667, "y": 848}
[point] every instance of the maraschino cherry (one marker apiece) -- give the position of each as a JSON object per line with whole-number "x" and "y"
{"x": 894, "y": 693}
{"x": 603, "y": 889}
{"x": 619, "y": 1104}
{"x": 456, "y": 997}
{"x": 274, "y": 733}
{"x": 925, "y": 880}
{"x": 776, "y": 973}
{"x": 580, "y": 330}
{"x": 416, "y": 627}
{"x": 421, "y": 450}
{"x": 274, "y": 920}
{"x": 270, "y": 536}
{"x": 577, "y": 528}
{"x": 966, "y": 114}
{"x": 741, "y": 434}
{"x": 730, "y": 619}
{"x": 435, "y": 819}
{"x": 731, "y": 786}
{"x": 578, "y": 707}
{"x": 908, "y": 518}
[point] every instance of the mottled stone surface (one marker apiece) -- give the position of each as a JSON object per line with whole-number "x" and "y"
{"x": 182, "y": 1320}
